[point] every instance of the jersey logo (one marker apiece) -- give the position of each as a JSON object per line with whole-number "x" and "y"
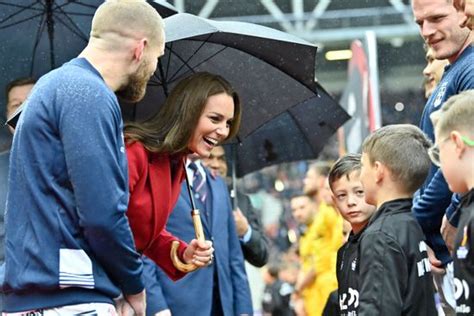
{"x": 461, "y": 287}
{"x": 440, "y": 94}
{"x": 461, "y": 291}
{"x": 350, "y": 299}
{"x": 354, "y": 264}
{"x": 423, "y": 265}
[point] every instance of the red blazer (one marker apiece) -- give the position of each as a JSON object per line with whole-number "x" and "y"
{"x": 154, "y": 189}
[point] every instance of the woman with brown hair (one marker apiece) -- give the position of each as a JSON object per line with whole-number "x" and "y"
{"x": 201, "y": 112}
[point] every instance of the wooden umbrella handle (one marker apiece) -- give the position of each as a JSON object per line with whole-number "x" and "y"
{"x": 181, "y": 266}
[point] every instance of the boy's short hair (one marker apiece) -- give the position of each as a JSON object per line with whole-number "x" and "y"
{"x": 403, "y": 149}
{"x": 141, "y": 20}
{"x": 343, "y": 167}
{"x": 273, "y": 268}
{"x": 455, "y": 114}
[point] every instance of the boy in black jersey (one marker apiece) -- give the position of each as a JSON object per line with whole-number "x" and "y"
{"x": 394, "y": 270}
{"x": 454, "y": 152}
{"x": 348, "y": 197}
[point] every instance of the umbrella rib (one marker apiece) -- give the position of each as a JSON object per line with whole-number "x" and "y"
{"x": 301, "y": 127}
{"x": 78, "y": 13}
{"x": 154, "y": 84}
{"x": 29, "y": 7}
{"x": 91, "y": 6}
{"x": 169, "y": 61}
{"x": 60, "y": 7}
{"x": 20, "y": 21}
{"x": 186, "y": 62}
{"x": 38, "y": 36}
{"x": 75, "y": 29}
{"x": 164, "y": 74}
{"x": 202, "y": 62}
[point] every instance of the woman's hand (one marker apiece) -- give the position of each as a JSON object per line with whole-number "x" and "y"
{"x": 200, "y": 253}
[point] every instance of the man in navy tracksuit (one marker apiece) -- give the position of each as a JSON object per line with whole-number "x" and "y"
{"x": 69, "y": 248}
{"x": 433, "y": 204}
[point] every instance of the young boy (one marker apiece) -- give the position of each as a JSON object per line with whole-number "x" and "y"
{"x": 394, "y": 269}
{"x": 277, "y": 292}
{"x": 348, "y": 197}
{"x": 454, "y": 152}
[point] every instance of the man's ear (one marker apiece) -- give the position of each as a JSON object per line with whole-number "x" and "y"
{"x": 139, "y": 49}
{"x": 463, "y": 19}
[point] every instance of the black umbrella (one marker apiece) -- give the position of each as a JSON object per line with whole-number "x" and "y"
{"x": 271, "y": 70}
{"x": 37, "y": 36}
{"x": 299, "y": 133}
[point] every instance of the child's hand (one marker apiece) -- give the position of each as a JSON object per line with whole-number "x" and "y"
{"x": 436, "y": 265}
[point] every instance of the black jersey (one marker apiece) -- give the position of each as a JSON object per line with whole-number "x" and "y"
{"x": 464, "y": 257}
{"x": 276, "y": 299}
{"x": 347, "y": 271}
{"x": 394, "y": 270}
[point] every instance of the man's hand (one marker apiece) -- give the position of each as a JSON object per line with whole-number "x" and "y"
{"x": 134, "y": 304}
{"x": 436, "y": 265}
{"x": 199, "y": 253}
{"x": 241, "y": 222}
{"x": 449, "y": 233}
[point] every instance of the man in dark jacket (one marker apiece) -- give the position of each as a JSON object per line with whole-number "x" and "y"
{"x": 253, "y": 241}
{"x": 394, "y": 269}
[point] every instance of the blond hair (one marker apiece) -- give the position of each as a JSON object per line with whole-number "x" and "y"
{"x": 457, "y": 113}
{"x": 133, "y": 19}
{"x": 403, "y": 149}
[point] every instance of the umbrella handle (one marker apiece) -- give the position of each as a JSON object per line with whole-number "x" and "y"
{"x": 181, "y": 266}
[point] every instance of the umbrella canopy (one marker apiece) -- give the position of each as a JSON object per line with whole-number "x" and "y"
{"x": 299, "y": 133}
{"x": 37, "y": 36}
{"x": 271, "y": 70}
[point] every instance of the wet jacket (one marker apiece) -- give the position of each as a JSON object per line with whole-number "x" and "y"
{"x": 394, "y": 269}
{"x": 464, "y": 257}
{"x": 347, "y": 270}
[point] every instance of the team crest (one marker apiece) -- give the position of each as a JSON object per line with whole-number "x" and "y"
{"x": 440, "y": 94}
{"x": 354, "y": 264}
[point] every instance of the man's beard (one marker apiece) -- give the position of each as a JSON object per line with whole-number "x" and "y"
{"x": 135, "y": 89}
